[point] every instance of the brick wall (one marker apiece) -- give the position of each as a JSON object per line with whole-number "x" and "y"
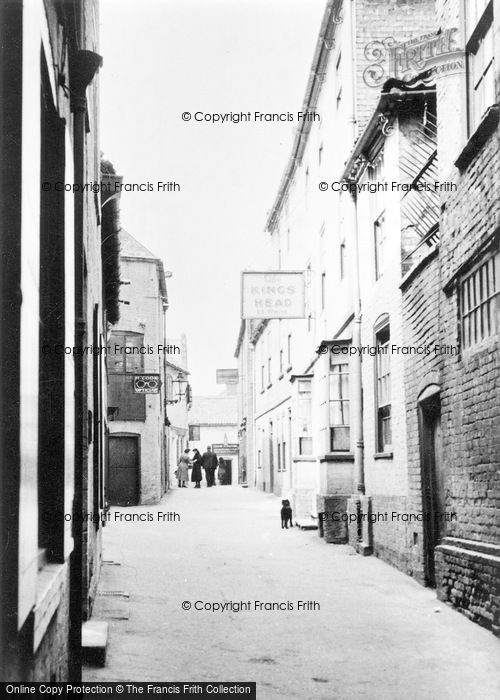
{"x": 470, "y": 406}
{"x": 51, "y": 659}
{"x": 376, "y": 21}
{"x": 421, "y": 314}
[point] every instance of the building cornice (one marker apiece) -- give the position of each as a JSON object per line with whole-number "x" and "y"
{"x": 395, "y": 95}
{"x": 317, "y": 74}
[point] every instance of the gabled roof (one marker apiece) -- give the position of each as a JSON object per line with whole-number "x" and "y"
{"x": 131, "y": 248}
{"x": 214, "y": 410}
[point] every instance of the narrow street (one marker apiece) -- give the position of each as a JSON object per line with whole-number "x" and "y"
{"x": 377, "y": 632}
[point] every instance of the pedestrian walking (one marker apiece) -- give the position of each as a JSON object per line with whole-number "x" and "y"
{"x": 210, "y": 465}
{"x": 196, "y": 473}
{"x": 222, "y": 472}
{"x": 183, "y": 469}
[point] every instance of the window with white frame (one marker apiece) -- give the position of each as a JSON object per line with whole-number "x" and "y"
{"x": 343, "y": 259}
{"x": 376, "y": 176}
{"x": 380, "y": 242}
{"x": 340, "y": 431}
{"x": 383, "y": 388}
{"x": 338, "y": 80}
{"x": 479, "y": 302}
{"x": 304, "y": 416}
{"x": 480, "y": 59}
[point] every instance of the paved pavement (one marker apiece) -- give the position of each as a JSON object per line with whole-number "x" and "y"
{"x": 376, "y": 633}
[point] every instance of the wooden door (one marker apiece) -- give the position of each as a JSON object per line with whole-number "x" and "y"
{"x": 433, "y": 483}
{"x": 124, "y": 470}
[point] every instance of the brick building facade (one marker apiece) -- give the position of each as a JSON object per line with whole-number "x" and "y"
{"x": 412, "y": 433}
{"x": 137, "y": 439}
{"x": 468, "y": 558}
{"x": 53, "y": 399}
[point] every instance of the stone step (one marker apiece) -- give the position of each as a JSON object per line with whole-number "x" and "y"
{"x": 306, "y": 524}
{"x": 94, "y": 642}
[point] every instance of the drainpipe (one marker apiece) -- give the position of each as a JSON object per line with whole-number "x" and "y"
{"x": 165, "y": 428}
{"x": 83, "y": 67}
{"x": 352, "y": 18}
{"x": 356, "y": 364}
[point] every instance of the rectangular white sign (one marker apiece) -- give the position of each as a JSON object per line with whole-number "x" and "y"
{"x": 272, "y": 295}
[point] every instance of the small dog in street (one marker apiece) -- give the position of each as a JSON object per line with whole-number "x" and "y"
{"x": 286, "y": 514}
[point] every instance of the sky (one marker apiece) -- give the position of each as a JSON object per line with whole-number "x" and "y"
{"x": 166, "y": 57}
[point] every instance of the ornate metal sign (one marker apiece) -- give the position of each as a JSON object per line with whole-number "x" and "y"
{"x": 147, "y": 383}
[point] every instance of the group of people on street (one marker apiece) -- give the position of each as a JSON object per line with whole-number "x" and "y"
{"x": 207, "y": 461}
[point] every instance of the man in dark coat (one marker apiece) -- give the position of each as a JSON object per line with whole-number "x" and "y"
{"x": 210, "y": 465}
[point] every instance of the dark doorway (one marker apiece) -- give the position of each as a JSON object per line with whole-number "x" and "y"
{"x": 124, "y": 470}
{"x": 228, "y": 478}
{"x": 433, "y": 484}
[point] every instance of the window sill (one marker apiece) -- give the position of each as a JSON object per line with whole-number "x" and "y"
{"x": 269, "y": 385}
{"x": 49, "y": 591}
{"x": 383, "y": 455}
{"x": 478, "y": 139}
{"x": 281, "y": 376}
{"x": 304, "y": 458}
{"x": 337, "y": 457}
{"x": 289, "y": 368}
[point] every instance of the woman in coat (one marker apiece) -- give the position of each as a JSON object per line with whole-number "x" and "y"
{"x": 197, "y": 474}
{"x": 222, "y": 471}
{"x": 182, "y": 469}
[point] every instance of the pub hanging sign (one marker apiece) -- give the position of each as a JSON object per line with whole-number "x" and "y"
{"x": 147, "y": 383}
{"x": 279, "y": 294}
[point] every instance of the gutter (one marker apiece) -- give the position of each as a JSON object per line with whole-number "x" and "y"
{"x": 320, "y": 61}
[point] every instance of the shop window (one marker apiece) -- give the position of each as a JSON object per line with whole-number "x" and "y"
{"x": 340, "y": 437}
{"x": 304, "y": 416}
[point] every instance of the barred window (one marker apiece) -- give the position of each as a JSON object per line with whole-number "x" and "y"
{"x": 479, "y": 302}
{"x": 340, "y": 438}
{"x": 383, "y": 377}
